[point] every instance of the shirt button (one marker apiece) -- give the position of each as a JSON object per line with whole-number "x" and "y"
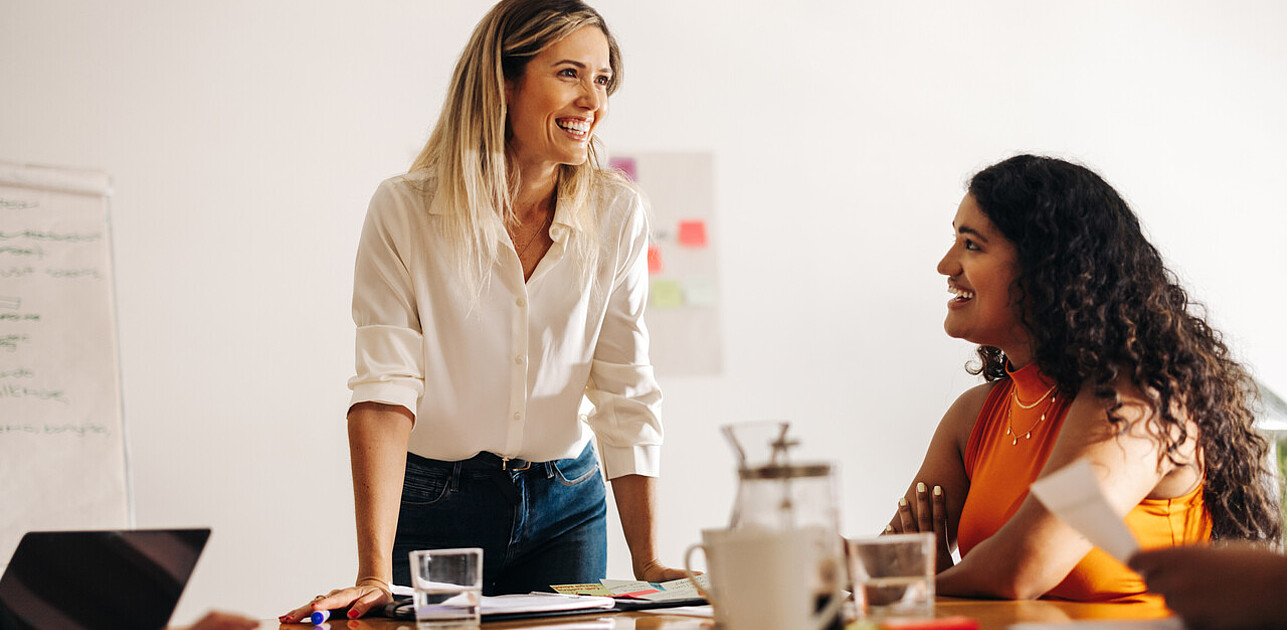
{"x": 520, "y": 302}
{"x": 518, "y": 360}
{"x": 518, "y": 415}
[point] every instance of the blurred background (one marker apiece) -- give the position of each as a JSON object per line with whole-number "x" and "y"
{"x": 244, "y": 140}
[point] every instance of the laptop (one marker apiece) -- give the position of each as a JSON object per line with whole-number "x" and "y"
{"x": 98, "y": 580}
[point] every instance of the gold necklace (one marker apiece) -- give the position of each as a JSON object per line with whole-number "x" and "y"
{"x": 1014, "y": 393}
{"x": 545, "y": 226}
{"x": 1009, "y": 414}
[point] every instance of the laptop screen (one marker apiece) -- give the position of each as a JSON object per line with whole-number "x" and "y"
{"x": 98, "y": 580}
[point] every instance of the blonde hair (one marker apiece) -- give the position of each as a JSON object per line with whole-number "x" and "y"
{"x": 466, "y": 157}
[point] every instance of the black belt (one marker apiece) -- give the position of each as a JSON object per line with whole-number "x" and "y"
{"x": 492, "y": 461}
{"x": 499, "y": 469}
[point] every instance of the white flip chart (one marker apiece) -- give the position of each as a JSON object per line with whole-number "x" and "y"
{"x": 62, "y": 447}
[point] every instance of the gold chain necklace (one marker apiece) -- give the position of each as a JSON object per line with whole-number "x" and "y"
{"x": 545, "y": 226}
{"x": 1009, "y": 413}
{"x": 1014, "y": 393}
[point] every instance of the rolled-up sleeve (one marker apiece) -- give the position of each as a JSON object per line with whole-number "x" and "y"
{"x": 623, "y": 389}
{"x": 389, "y": 343}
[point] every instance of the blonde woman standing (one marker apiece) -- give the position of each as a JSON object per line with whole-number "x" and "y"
{"x": 497, "y": 283}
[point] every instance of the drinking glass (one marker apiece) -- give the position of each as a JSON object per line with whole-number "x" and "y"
{"x": 449, "y": 587}
{"x": 893, "y": 575}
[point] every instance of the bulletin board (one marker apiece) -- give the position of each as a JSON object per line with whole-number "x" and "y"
{"x": 62, "y": 445}
{"x": 683, "y": 313}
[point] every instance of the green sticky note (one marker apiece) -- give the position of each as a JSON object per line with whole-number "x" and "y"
{"x": 666, "y": 293}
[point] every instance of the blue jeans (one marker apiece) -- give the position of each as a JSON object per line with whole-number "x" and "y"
{"x": 550, "y": 528}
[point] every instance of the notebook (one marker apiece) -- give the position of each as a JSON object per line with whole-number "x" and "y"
{"x": 98, "y": 580}
{"x": 537, "y": 605}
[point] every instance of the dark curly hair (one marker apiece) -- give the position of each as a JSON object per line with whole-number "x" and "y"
{"x": 1099, "y": 303}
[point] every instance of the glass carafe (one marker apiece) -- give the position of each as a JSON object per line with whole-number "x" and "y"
{"x": 774, "y": 492}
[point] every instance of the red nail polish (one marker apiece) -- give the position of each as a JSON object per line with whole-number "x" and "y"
{"x": 353, "y": 614}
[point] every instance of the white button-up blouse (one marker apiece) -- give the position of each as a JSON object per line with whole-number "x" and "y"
{"x": 506, "y": 372}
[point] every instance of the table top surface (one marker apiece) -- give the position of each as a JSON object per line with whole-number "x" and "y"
{"x": 991, "y": 615}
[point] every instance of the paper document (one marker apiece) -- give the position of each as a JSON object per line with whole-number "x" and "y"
{"x": 1073, "y": 494}
{"x": 541, "y": 602}
{"x": 672, "y": 590}
{"x": 582, "y": 589}
{"x": 513, "y": 606}
{"x": 629, "y": 588}
{"x": 678, "y": 589}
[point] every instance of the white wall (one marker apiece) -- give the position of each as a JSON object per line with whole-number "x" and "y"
{"x": 246, "y": 137}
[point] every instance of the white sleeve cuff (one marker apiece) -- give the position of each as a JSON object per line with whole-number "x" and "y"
{"x": 641, "y": 459}
{"x": 390, "y": 367}
{"x": 389, "y": 393}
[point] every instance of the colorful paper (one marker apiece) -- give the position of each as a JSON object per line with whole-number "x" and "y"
{"x": 700, "y": 291}
{"x": 626, "y": 165}
{"x": 654, "y": 259}
{"x": 666, "y": 293}
{"x": 592, "y": 589}
{"x": 692, "y": 233}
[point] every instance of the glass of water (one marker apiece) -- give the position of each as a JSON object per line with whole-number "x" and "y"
{"x": 893, "y": 575}
{"x": 449, "y": 587}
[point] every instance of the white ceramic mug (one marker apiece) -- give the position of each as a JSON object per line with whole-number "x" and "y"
{"x": 767, "y": 579}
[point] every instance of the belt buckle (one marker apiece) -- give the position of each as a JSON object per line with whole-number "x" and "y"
{"x": 505, "y": 465}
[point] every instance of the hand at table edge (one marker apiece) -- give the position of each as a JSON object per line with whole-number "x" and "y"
{"x": 359, "y": 599}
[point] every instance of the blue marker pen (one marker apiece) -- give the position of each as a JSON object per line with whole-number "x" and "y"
{"x": 320, "y": 616}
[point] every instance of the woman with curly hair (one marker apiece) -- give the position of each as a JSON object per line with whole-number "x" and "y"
{"x": 1090, "y": 350}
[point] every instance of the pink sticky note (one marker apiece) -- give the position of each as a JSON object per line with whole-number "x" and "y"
{"x": 654, "y": 259}
{"x": 639, "y": 594}
{"x": 692, "y": 233}
{"x": 627, "y": 166}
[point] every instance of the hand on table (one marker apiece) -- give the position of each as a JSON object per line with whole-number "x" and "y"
{"x": 927, "y": 515}
{"x": 358, "y": 599}
{"x": 1236, "y": 586}
{"x": 655, "y": 571}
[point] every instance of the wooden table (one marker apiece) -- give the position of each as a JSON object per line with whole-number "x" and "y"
{"x": 991, "y": 615}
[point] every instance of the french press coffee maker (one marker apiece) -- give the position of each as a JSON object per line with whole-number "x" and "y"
{"x": 773, "y": 492}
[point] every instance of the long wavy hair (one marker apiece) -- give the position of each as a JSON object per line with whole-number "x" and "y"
{"x": 466, "y": 156}
{"x": 1099, "y": 303}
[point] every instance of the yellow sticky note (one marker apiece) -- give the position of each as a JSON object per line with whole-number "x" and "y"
{"x": 666, "y": 293}
{"x": 582, "y": 589}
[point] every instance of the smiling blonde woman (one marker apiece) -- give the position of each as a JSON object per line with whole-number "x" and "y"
{"x": 497, "y": 283}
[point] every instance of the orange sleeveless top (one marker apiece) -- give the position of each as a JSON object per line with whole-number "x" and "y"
{"x": 1005, "y": 453}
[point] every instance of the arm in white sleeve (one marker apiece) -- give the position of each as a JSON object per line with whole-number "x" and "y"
{"x": 622, "y": 387}
{"x": 389, "y": 352}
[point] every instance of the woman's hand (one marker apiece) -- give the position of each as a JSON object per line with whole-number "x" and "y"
{"x": 359, "y": 599}
{"x": 655, "y": 571}
{"x": 928, "y": 515}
